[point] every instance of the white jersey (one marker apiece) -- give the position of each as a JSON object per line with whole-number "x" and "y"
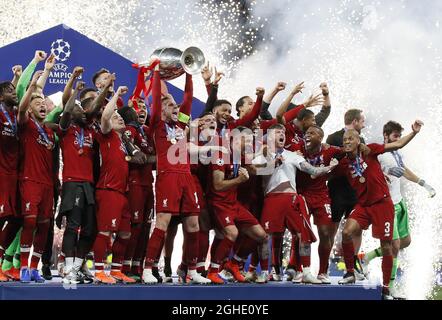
{"x": 387, "y": 161}
{"x": 272, "y": 178}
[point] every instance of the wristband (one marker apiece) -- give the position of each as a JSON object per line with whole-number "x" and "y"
{"x": 184, "y": 118}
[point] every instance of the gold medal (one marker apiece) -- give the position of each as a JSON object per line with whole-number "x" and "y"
{"x": 80, "y": 151}
{"x": 173, "y": 141}
{"x": 362, "y": 180}
{"x": 49, "y": 146}
{"x": 128, "y": 158}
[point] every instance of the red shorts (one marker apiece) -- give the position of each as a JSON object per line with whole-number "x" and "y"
{"x": 287, "y": 210}
{"x": 199, "y": 192}
{"x": 8, "y": 195}
{"x": 320, "y": 208}
{"x": 112, "y": 211}
{"x": 176, "y": 194}
{"x": 380, "y": 215}
{"x": 227, "y": 214}
{"x": 37, "y": 199}
{"x": 140, "y": 203}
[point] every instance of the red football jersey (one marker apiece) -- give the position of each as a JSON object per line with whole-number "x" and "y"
{"x": 114, "y": 171}
{"x": 294, "y": 137}
{"x": 140, "y": 174}
{"x": 36, "y": 153}
{"x": 180, "y": 161}
{"x": 318, "y": 186}
{"x": 372, "y": 187}
{"x": 9, "y": 144}
{"x": 76, "y": 144}
{"x": 228, "y": 196}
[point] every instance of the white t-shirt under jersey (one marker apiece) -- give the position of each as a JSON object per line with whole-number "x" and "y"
{"x": 388, "y": 161}
{"x": 272, "y": 178}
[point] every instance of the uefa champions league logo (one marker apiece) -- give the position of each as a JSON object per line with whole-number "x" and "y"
{"x": 61, "y": 50}
{"x": 60, "y": 74}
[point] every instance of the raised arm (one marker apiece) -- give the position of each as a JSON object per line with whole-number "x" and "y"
{"x": 49, "y": 64}
{"x": 65, "y": 120}
{"x": 283, "y": 108}
{"x": 101, "y": 98}
{"x": 248, "y": 119}
{"x": 416, "y": 127}
{"x": 186, "y": 106}
{"x": 213, "y": 96}
{"x": 16, "y": 71}
{"x": 267, "y": 100}
{"x": 326, "y": 106}
{"x": 67, "y": 92}
{"x": 221, "y": 184}
{"x": 106, "y": 125}
{"x": 27, "y": 73}
{"x": 156, "y": 98}
{"x": 206, "y": 74}
{"x": 24, "y": 103}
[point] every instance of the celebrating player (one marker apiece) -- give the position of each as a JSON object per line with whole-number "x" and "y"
{"x": 374, "y": 205}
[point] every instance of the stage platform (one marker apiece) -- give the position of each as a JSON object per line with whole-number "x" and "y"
{"x": 55, "y": 290}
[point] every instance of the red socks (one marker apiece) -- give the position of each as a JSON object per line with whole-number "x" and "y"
{"x": 40, "y": 238}
{"x": 324, "y": 254}
{"x": 349, "y": 252}
{"x": 203, "y": 239}
{"x": 100, "y": 248}
{"x": 7, "y": 235}
{"x": 387, "y": 266}
{"x": 245, "y": 247}
{"x": 131, "y": 246}
{"x": 118, "y": 250}
{"x": 154, "y": 247}
{"x": 191, "y": 251}
{"x": 223, "y": 250}
{"x": 26, "y": 239}
{"x": 214, "y": 247}
{"x": 295, "y": 259}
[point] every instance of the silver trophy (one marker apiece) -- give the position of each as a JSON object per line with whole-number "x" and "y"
{"x": 174, "y": 62}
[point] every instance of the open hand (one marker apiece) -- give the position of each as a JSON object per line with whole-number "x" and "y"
{"x": 314, "y": 100}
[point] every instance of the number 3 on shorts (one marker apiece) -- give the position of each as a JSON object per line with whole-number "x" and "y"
{"x": 387, "y": 229}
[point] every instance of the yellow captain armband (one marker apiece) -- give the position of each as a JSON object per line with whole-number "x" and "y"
{"x": 184, "y": 118}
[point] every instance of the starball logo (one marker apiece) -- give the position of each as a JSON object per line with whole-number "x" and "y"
{"x": 60, "y": 74}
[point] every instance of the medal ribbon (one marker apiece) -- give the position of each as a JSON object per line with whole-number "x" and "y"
{"x": 357, "y": 167}
{"x": 42, "y": 132}
{"x": 235, "y": 169}
{"x": 316, "y": 160}
{"x": 80, "y": 137}
{"x": 124, "y": 148}
{"x": 141, "y": 131}
{"x": 8, "y": 118}
{"x": 171, "y": 132}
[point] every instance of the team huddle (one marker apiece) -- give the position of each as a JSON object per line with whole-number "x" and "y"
{"x": 247, "y": 178}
